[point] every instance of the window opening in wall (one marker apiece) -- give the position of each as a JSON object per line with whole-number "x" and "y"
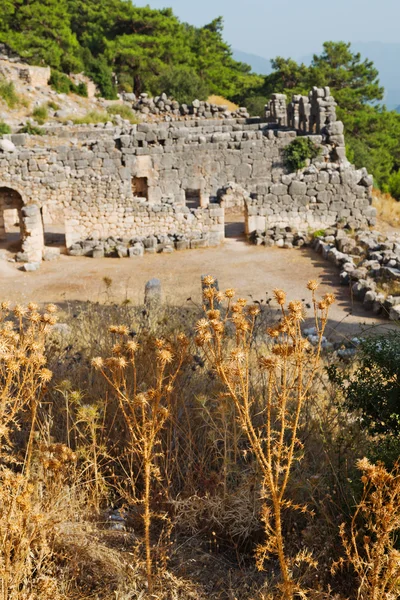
{"x": 140, "y": 187}
{"x": 192, "y": 198}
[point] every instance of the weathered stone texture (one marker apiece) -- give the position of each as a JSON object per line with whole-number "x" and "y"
{"x": 170, "y": 178}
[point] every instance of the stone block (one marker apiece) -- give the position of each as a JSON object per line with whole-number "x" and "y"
{"x": 153, "y": 292}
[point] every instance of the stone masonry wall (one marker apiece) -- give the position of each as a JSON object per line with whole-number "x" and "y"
{"x": 167, "y": 177}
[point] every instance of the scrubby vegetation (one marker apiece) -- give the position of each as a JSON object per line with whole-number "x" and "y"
{"x": 189, "y": 453}
{"x": 92, "y": 116}
{"x": 124, "y": 111}
{"x": 8, "y": 93}
{"x": 4, "y": 128}
{"x": 40, "y": 114}
{"x": 298, "y": 152}
{"x": 32, "y": 129}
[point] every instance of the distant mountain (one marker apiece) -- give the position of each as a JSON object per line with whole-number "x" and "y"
{"x": 258, "y": 63}
{"x": 385, "y": 56}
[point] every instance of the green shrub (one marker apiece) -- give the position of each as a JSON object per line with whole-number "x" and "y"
{"x": 60, "y": 82}
{"x": 319, "y": 233}
{"x": 64, "y": 85}
{"x": 53, "y": 105}
{"x": 40, "y": 114}
{"x": 80, "y": 89}
{"x": 255, "y": 105}
{"x": 394, "y": 185}
{"x": 8, "y": 93}
{"x": 373, "y": 387}
{"x": 91, "y": 117}
{"x": 124, "y": 111}
{"x": 32, "y": 129}
{"x": 4, "y": 128}
{"x": 298, "y": 152}
{"x": 183, "y": 84}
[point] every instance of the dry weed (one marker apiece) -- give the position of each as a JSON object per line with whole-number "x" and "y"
{"x": 388, "y": 208}
{"x": 370, "y": 541}
{"x": 270, "y": 424}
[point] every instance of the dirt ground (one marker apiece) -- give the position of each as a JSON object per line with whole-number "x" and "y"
{"x": 253, "y": 271}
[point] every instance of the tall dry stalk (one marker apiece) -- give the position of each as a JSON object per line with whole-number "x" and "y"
{"x": 370, "y": 540}
{"x": 145, "y": 408}
{"x": 271, "y": 425}
{"x": 24, "y": 528}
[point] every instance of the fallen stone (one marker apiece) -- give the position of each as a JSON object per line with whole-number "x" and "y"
{"x": 33, "y": 266}
{"x": 7, "y": 146}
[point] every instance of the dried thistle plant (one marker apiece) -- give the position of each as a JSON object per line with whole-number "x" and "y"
{"x": 145, "y": 408}
{"x": 370, "y": 540}
{"x": 271, "y": 424}
{"x": 23, "y": 372}
{"x": 25, "y": 528}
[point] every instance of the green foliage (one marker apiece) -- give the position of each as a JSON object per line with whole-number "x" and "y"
{"x": 124, "y": 111}
{"x": 40, "y": 31}
{"x": 8, "y": 93}
{"x": 92, "y": 117}
{"x": 318, "y": 233}
{"x": 40, "y": 114}
{"x": 146, "y": 49}
{"x": 394, "y": 185}
{"x": 64, "y": 85}
{"x": 184, "y": 85}
{"x": 298, "y": 152}
{"x": 53, "y": 105}
{"x": 32, "y": 129}
{"x": 373, "y": 387}
{"x": 255, "y": 105}
{"x": 4, "y": 128}
{"x": 60, "y": 82}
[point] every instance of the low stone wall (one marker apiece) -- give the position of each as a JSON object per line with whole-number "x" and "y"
{"x": 164, "y": 108}
{"x": 369, "y": 263}
{"x": 320, "y": 196}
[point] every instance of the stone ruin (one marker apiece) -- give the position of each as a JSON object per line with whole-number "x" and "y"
{"x": 158, "y": 186}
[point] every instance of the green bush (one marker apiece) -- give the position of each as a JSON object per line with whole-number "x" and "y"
{"x": 298, "y": 152}
{"x": 124, "y": 111}
{"x": 40, "y": 114}
{"x": 4, "y": 128}
{"x": 394, "y": 185}
{"x": 8, "y": 93}
{"x": 64, "y": 85}
{"x": 80, "y": 89}
{"x": 255, "y": 105}
{"x": 32, "y": 129}
{"x": 53, "y": 105}
{"x": 60, "y": 82}
{"x": 91, "y": 117}
{"x": 183, "y": 84}
{"x": 373, "y": 387}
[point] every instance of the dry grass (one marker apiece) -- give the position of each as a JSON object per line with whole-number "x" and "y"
{"x": 388, "y": 208}
{"x": 215, "y": 446}
{"x": 370, "y": 545}
{"x": 221, "y": 101}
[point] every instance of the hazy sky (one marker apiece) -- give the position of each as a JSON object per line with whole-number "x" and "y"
{"x": 291, "y": 27}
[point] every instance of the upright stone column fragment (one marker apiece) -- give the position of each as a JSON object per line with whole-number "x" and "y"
{"x": 32, "y": 233}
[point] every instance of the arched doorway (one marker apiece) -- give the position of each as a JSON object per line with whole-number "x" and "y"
{"x": 21, "y": 227}
{"x": 11, "y": 229}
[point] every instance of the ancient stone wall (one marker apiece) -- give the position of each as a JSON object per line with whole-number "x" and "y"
{"x": 169, "y": 177}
